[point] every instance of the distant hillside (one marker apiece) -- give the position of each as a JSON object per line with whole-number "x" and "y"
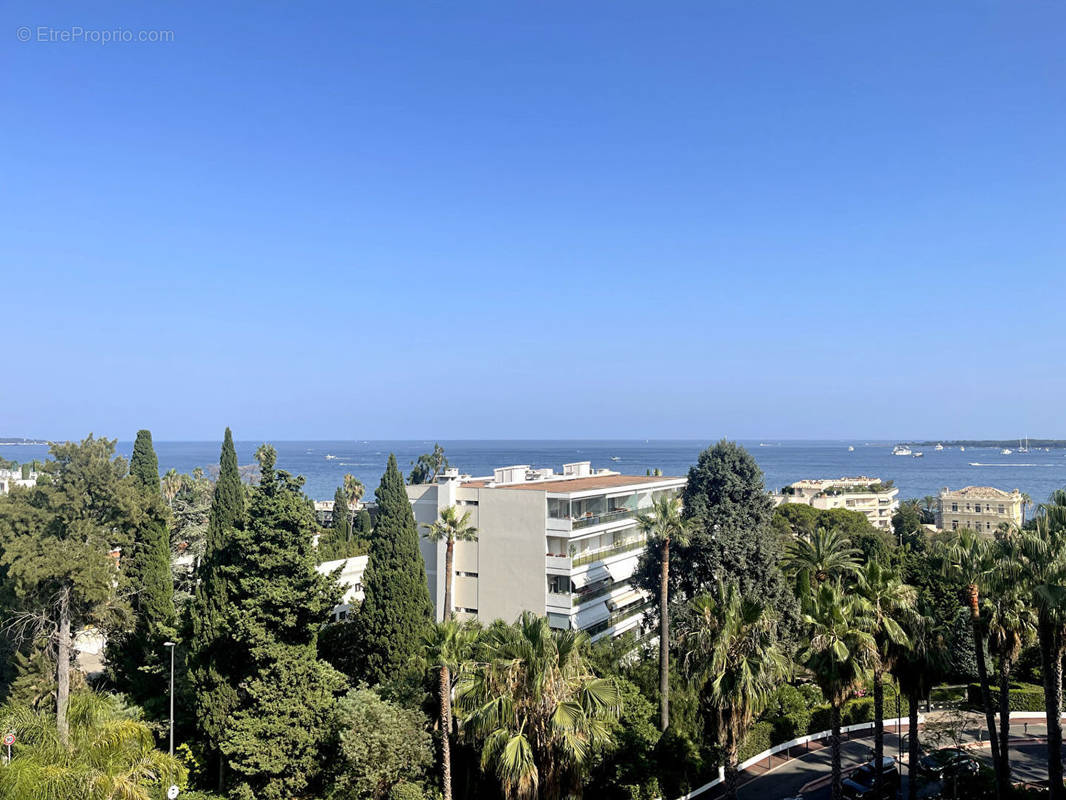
{"x": 21, "y": 440}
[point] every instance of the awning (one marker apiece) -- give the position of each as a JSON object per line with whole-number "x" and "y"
{"x": 625, "y": 599}
{"x": 593, "y": 575}
{"x": 591, "y": 613}
{"x": 623, "y": 570}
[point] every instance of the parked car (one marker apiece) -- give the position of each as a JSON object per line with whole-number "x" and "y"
{"x": 862, "y": 783}
{"x": 948, "y": 762}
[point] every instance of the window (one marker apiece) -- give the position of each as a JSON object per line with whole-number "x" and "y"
{"x": 954, "y": 506}
{"x": 466, "y": 574}
{"x": 954, "y": 524}
{"x": 559, "y": 584}
{"x": 988, "y": 527}
{"x": 1002, "y": 509}
{"x": 467, "y": 610}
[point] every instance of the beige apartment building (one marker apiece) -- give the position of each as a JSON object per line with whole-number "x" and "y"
{"x": 981, "y": 508}
{"x": 561, "y": 545}
{"x": 877, "y": 500}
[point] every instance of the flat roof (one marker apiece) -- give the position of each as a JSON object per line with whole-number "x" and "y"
{"x": 575, "y": 484}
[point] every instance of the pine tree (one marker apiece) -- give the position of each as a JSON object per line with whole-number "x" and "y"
{"x": 137, "y": 659}
{"x": 389, "y": 626}
{"x": 216, "y": 668}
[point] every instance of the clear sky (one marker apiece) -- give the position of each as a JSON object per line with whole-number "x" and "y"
{"x": 534, "y": 219}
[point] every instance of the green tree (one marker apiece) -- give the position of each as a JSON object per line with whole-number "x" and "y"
{"x": 839, "y": 651}
{"x": 215, "y": 668}
{"x": 57, "y": 542}
{"x": 663, "y": 525}
{"x": 137, "y": 658}
{"x": 428, "y": 466}
{"x": 969, "y": 559}
{"x": 380, "y": 746}
{"x": 731, "y": 651}
{"x": 908, "y": 520}
{"x": 388, "y": 628}
{"x": 917, "y": 666}
{"x": 535, "y": 705}
{"x": 890, "y": 601}
{"x": 826, "y": 556}
{"x": 448, "y": 646}
{"x": 277, "y": 604}
{"x": 108, "y": 753}
{"x": 450, "y": 528}
{"x": 1040, "y": 562}
{"x": 353, "y": 489}
{"x": 363, "y": 524}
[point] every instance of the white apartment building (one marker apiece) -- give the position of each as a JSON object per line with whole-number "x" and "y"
{"x": 873, "y": 498}
{"x": 10, "y": 478}
{"x": 350, "y": 577}
{"x": 561, "y": 545}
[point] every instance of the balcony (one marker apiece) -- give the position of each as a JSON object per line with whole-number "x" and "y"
{"x": 558, "y": 602}
{"x": 557, "y": 561}
{"x": 600, "y": 591}
{"x": 600, "y": 555}
{"x": 601, "y": 519}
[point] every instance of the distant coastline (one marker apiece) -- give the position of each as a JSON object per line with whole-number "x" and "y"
{"x": 989, "y": 443}
{"x": 16, "y": 440}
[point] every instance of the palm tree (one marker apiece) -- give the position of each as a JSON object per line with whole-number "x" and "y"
{"x": 1040, "y": 561}
{"x": 969, "y": 560}
{"x": 928, "y": 505}
{"x": 826, "y": 555}
{"x": 730, "y": 649}
{"x": 890, "y": 600}
{"x": 448, "y": 646}
{"x": 917, "y": 667}
{"x": 110, "y": 753}
{"x": 533, "y": 702}
{"x": 353, "y": 489}
{"x": 1011, "y": 624}
{"x": 839, "y": 651}
{"x": 1027, "y": 502}
{"x": 450, "y": 528}
{"x": 662, "y": 526}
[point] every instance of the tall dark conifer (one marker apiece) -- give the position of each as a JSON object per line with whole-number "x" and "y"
{"x": 137, "y": 659}
{"x": 215, "y": 668}
{"x": 396, "y": 612}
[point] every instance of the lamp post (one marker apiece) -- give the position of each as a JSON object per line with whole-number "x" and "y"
{"x": 171, "y": 645}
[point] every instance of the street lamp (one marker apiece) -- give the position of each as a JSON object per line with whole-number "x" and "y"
{"x": 171, "y": 645}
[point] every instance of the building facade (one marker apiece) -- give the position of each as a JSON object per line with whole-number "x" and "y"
{"x": 10, "y": 478}
{"x": 562, "y": 545}
{"x": 981, "y": 508}
{"x": 870, "y": 496}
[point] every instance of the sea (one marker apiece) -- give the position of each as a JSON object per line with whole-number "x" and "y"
{"x": 323, "y": 464}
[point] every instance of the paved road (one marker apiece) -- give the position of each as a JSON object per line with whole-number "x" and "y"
{"x": 1028, "y": 762}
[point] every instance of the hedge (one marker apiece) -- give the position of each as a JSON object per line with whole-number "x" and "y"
{"x": 1021, "y": 696}
{"x": 757, "y": 740}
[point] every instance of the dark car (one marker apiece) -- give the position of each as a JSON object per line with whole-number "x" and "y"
{"x": 862, "y": 783}
{"x": 947, "y": 763}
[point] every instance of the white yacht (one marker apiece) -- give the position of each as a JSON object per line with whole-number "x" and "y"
{"x": 1005, "y": 451}
{"x": 962, "y": 448}
{"x": 939, "y": 446}
{"x": 851, "y": 449}
{"x": 900, "y": 450}
{"x": 919, "y": 454}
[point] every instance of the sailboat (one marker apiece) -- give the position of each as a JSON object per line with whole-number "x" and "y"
{"x": 1023, "y": 449}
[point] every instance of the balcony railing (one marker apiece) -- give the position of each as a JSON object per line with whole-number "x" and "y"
{"x": 618, "y": 616}
{"x": 599, "y": 555}
{"x": 584, "y": 597}
{"x": 607, "y": 516}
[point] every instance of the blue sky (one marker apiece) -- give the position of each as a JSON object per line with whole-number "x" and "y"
{"x": 551, "y": 219}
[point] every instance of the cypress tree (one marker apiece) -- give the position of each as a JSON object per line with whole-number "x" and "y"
{"x": 216, "y": 669}
{"x": 363, "y": 524}
{"x": 137, "y": 659}
{"x": 389, "y": 626}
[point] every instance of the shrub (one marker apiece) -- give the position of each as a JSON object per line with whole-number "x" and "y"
{"x": 757, "y": 740}
{"x": 406, "y": 791}
{"x": 1021, "y": 696}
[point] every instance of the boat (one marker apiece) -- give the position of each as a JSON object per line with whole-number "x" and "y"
{"x": 939, "y": 446}
{"x": 962, "y": 448}
{"x": 900, "y": 450}
{"x": 1005, "y": 451}
{"x": 330, "y": 457}
{"x": 615, "y": 458}
{"x": 851, "y": 449}
{"x": 919, "y": 454}
{"x": 1024, "y": 449}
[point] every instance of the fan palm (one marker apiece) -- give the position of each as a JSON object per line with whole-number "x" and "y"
{"x": 450, "y": 528}
{"x": 839, "y": 651}
{"x": 1039, "y": 559}
{"x": 890, "y": 600}
{"x": 730, "y": 649}
{"x": 533, "y": 702}
{"x": 969, "y": 559}
{"x": 827, "y": 555}
{"x": 664, "y": 525}
{"x": 110, "y": 754}
{"x": 353, "y": 489}
{"x": 917, "y": 666}
{"x": 448, "y": 646}
{"x": 1011, "y": 624}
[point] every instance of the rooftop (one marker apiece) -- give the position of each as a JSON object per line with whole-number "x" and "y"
{"x": 573, "y": 484}
{"x": 979, "y": 491}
